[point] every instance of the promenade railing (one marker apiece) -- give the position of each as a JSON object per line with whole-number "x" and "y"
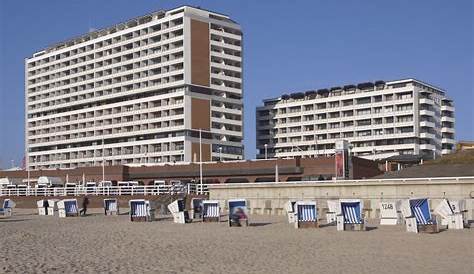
{"x": 106, "y": 190}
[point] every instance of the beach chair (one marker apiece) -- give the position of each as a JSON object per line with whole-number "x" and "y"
{"x": 177, "y": 209}
{"x": 47, "y": 207}
{"x": 7, "y": 207}
{"x": 111, "y": 206}
{"x": 389, "y": 212}
{"x": 196, "y": 208}
{"x": 306, "y": 214}
{"x": 349, "y": 215}
{"x": 290, "y": 211}
{"x": 68, "y": 208}
{"x": 451, "y": 213}
{"x": 418, "y": 216}
{"x": 211, "y": 211}
{"x": 141, "y": 210}
{"x": 238, "y": 213}
{"x": 332, "y": 212}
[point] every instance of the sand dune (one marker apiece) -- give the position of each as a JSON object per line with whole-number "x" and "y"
{"x": 34, "y": 244}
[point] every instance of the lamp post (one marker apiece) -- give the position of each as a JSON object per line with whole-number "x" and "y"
{"x": 103, "y": 161}
{"x": 266, "y": 147}
{"x": 200, "y": 158}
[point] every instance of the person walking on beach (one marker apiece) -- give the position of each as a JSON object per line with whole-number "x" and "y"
{"x": 45, "y": 205}
{"x": 85, "y": 203}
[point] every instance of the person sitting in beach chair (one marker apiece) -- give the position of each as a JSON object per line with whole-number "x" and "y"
{"x": 306, "y": 214}
{"x": 68, "y": 208}
{"x": 331, "y": 213}
{"x": 237, "y": 212}
{"x": 111, "y": 207}
{"x": 418, "y": 216}
{"x": 290, "y": 211}
{"x": 196, "y": 208}
{"x": 7, "y": 208}
{"x": 389, "y": 212}
{"x": 141, "y": 210}
{"x": 177, "y": 209}
{"x": 210, "y": 211}
{"x": 349, "y": 215}
{"x": 451, "y": 213}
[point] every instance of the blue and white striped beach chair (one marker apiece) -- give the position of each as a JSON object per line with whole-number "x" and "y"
{"x": 211, "y": 211}
{"x": 111, "y": 207}
{"x": 306, "y": 214}
{"x": 7, "y": 208}
{"x": 350, "y": 216}
{"x": 418, "y": 216}
{"x": 68, "y": 208}
{"x": 141, "y": 211}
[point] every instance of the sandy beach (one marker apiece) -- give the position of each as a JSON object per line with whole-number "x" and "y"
{"x": 113, "y": 244}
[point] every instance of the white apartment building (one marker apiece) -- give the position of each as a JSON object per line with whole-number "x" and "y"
{"x": 380, "y": 120}
{"x": 138, "y": 92}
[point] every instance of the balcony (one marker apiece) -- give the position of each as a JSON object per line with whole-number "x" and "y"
{"x": 447, "y": 108}
{"x": 448, "y": 119}
{"x": 448, "y": 141}
{"x": 447, "y": 129}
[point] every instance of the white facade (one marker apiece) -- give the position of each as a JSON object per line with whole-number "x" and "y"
{"x": 123, "y": 94}
{"x": 380, "y": 120}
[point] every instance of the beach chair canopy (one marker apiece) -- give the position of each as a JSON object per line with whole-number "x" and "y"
{"x": 110, "y": 204}
{"x": 332, "y": 206}
{"x": 237, "y": 209}
{"x": 138, "y": 208}
{"x": 421, "y": 211}
{"x": 306, "y": 211}
{"x": 210, "y": 208}
{"x": 70, "y": 206}
{"x": 290, "y": 206}
{"x": 8, "y": 203}
{"x": 352, "y": 211}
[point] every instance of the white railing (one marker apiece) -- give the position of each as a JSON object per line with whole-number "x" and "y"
{"x": 107, "y": 190}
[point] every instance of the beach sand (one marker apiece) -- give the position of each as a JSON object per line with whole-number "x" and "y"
{"x": 112, "y": 244}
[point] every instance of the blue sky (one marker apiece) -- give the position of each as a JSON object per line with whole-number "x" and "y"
{"x": 288, "y": 46}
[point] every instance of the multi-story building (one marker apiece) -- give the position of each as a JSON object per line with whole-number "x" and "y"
{"x": 138, "y": 92}
{"x": 379, "y": 120}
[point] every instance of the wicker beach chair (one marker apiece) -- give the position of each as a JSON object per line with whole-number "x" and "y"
{"x": 332, "y": 212}
{"x": 68, "y": 208}
{"x": 196, "y": 208}
{"x": 349, "y": 216}
{"x": 111, "y": 206}
{"x": 141, "y": 210}
{"x": 418, "y": 217}
{"x": 7, "y": 207}
{"x": 238, "y": 213}
{"x": 306, "y": 214}
{"x": 211, "y": 211}
{"x": 389, "y": 212}
{"x": 451, "y": 213}
{"x": 47, "y": 207}
{"x": 290, "y": 211}
{"x": 179, "y": 212}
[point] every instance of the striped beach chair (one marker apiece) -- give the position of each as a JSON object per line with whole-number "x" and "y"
{"x": 141, "y": 211}
{"x": 179, "y": 212}
{"x": 7, "y": 207}
{"x": 451, "y": 213}
{"x": 349, "y": 215}
{"x": 238, "y": 213}
{"x": 68, "y": 208}
{"x": 306, "y": 214}
{"x": 418, "y": 216}
{"x": 332, "y": 212}
{"x": 211, "y": 211}
{"x": 290, "y": 211}
{"x": 111, "y": 207}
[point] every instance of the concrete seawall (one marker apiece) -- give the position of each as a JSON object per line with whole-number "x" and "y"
{"x": 269, "y": 198}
